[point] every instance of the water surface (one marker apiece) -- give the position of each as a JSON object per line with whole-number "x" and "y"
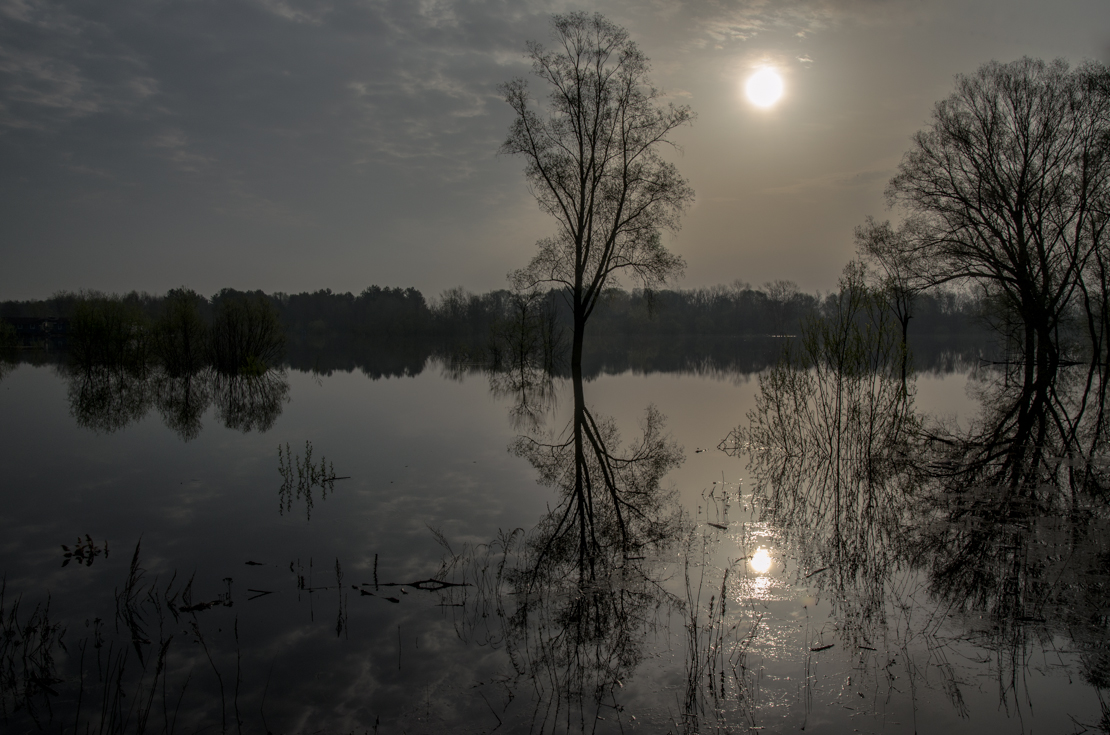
{"x": 203, "y": 591}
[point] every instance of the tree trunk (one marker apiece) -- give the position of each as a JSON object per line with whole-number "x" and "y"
{"x": 579, "y": 420}
{"x": 1030, "y": 355}
{"x": 905, "y": 319}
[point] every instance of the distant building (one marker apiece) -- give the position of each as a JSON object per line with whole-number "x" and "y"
{"x": 27, "y": 326}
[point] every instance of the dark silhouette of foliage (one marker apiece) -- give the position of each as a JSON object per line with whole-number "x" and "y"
{"x": 249, "y": 401}
{"x": 246, "y": 334}
{"x": 593, "y": 163}
{"x": 182, "y": 400}
{"x": 1008, "y": 188}
{"x": 110, "y": 330}
{"x": 106, "y": 398}
{"x": 181, "y": 333}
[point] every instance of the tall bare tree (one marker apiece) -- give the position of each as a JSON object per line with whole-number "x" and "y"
{"x": 593, "y": 163}
{"x": 1008, "y": 187}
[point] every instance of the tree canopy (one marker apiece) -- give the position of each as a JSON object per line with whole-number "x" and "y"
{"x": 594, "y": 163}
{"x": 1009, "y": 187}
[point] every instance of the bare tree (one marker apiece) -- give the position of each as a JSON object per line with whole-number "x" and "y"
{"x": 900, "y": 273}
{"x": 593, "y": 163}
{"x": 1008, "y": 187}
{"x": 782, "y": 296}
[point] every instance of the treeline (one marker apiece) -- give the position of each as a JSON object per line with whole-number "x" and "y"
{"x": 778, "y": 309}
{"x": 392, "y": 332}
{"x": 92, "y": 320}
{"x": 182, "y": 332}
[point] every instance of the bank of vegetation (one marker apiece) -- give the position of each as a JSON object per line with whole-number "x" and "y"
{"x": 393, "y": 331}
{"x": 457, "y": 316}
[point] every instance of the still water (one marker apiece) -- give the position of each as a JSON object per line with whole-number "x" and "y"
{"x": 352, "y": 557}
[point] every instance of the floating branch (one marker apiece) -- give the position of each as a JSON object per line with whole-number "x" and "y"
{"x": 428, "y": 585}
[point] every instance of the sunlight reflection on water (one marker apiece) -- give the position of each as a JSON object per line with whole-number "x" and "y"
{"x": 761, "y": 561}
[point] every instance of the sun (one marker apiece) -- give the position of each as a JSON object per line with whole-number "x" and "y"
{"x": 764, "y": 88}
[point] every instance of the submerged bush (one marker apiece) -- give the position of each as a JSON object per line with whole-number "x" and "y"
{"x": 8, "y": 341}
{"x": 247, "y": 336}
{"x": 109, "y": 330}
{"x": 181, "y": 334}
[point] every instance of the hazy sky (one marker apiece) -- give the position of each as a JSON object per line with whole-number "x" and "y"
{"x": 290, "y": 146}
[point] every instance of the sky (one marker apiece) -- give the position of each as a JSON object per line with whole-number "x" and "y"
{"x": 294, "y": 146}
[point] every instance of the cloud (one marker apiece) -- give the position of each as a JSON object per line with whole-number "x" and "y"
{"x": 721, "y": 24}
{"x": 314, "y": 13}
{"x": 439, "y": 13}
{"x": 174, "y": 146}
{"x": 38, "y": 89}
{"x": 56, "y": 67}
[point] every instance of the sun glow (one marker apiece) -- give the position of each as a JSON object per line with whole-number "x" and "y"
{"x": 764, "y": 88}
{"x": 761, "y": 561}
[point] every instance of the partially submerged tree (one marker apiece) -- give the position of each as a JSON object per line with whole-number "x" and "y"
{"x": 109, "y": 330}
{"x": 1009, "y": 187}
{"x": 593, "y": 163}
{"x": 900, "y": 279}
{"x": 247, "y": 337}
{"x": 181, "y": 333}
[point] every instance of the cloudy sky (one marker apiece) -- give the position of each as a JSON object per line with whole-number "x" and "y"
{"x": 290, "y": 146}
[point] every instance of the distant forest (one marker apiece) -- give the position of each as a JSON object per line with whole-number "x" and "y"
{"x": 459, "y": 315}
{"x": 393, "y": 331}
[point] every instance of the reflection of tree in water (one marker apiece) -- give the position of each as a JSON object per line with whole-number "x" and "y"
{"x": 578, "y": 642}
{"x": 1019, "y": 533}
{"x": 611, "y": 503}
{"x": 182, "y": 401}
{"x": 532, "y": 390}
{"x": 250, "y": 402}
{"x": 586, "y": 589}
{"x": 827, "y": 442}
{"x": 1038, "y": 438}
{"x": 576, "y": 598}
{"x": 573, "y": 646}
{"x": 106, "y": 398}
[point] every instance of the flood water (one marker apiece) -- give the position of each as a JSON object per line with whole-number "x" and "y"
{"x": 348, "y": 552}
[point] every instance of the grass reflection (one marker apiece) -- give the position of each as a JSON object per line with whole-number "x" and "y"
{"x": 309, "y": 476}
{"x": 134, "y": 676}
